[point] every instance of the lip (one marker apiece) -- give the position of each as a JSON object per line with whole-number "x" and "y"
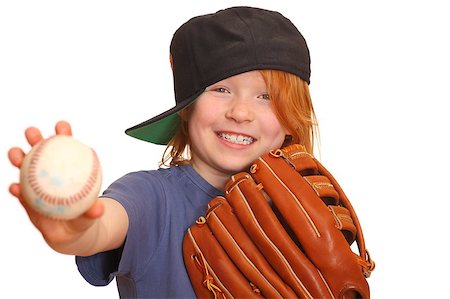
{"x": 235, "y": 139}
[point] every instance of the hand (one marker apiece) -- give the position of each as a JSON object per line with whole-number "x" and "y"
{"x": 57, "y": 233}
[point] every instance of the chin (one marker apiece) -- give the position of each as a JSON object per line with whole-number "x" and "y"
{"x": 232, "y": 168}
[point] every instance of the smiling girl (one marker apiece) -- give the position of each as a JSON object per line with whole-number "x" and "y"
{"x": 231, "y": 124}
{"x": 241, "y": 80}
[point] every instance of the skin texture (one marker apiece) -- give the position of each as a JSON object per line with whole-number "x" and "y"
{"x": 231, "y": 124}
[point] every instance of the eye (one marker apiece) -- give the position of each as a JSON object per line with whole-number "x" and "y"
{"x": 221, "y": 89}
{"x": 264, "y": 96}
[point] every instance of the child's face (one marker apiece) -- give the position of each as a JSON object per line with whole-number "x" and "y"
{"x": 231, "y": 124}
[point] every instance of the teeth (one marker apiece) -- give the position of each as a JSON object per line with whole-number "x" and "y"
{"x": 239, "y": 139}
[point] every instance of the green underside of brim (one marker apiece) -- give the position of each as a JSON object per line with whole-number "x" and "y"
{"x": 159, "y": 132}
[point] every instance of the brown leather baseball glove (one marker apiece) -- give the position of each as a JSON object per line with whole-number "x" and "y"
{"x": 284, "y": 230}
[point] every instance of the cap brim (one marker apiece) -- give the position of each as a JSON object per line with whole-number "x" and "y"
{"x": 158, "y": 132}
{"x": 161, "y": 129}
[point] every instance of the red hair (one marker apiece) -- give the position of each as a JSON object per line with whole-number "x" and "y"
{"x": 291, "y": 103}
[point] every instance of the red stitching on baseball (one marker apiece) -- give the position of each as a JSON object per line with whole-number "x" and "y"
{"x": 55, "y": 200}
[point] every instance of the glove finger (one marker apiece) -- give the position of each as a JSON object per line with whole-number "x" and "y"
{"x": 211, "y": 271}
{"x": 261, "y": 224}
{"x": 242, "y": 251}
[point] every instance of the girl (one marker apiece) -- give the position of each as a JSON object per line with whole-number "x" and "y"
{"x": 241, "y": 80}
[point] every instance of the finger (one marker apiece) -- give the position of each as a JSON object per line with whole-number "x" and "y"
{"x": 16, "y": 156}
{"x": 33, "y": 135}
{"x": 88, "y": 218}
{"x": 95, "y": 211}
{"x": 14, "y": 189}
{"x": 63, "y": 127}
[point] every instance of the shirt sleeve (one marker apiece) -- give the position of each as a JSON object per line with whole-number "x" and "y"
{"x": 142, "y": 196}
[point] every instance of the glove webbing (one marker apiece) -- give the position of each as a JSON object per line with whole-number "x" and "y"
{"x": 328, "y": 189}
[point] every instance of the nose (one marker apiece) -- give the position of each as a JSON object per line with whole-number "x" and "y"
{"x": 240, "y": 110}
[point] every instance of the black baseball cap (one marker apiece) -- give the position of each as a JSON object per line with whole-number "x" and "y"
{"x": 210, "y": 48}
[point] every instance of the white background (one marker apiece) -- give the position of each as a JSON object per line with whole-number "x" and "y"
{"x": 379, "y": 84}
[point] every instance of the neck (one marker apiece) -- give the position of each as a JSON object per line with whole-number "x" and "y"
{"x": 216, "y": 178}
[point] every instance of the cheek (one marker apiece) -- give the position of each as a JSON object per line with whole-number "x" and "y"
{"x": 201, "y": 120}
{"x": 198, "y": 121}
{"x": 272, "y": 127}
{"x": 201, "y": 113}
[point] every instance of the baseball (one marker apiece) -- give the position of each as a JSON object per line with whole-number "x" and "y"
{"x": 60, "y": 177}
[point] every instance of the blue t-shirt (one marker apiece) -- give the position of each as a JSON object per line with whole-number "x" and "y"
{"x": 161, "y": 205}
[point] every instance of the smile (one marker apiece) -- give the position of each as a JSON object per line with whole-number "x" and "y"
{"x": 236, "y": 138}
